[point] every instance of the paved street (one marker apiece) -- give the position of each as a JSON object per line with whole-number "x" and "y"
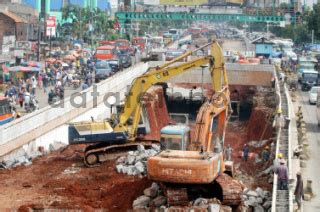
{"x": 43, "y": 97}
{"x": 312, "y": 171}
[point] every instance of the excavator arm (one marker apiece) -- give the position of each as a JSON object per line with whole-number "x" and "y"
{"x": 132, "y": 106}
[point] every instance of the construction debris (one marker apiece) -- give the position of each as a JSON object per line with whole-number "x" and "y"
{"x": 259, "y": 199}
{"x": 150, "y": 202}
{"x": 135, "y": 162}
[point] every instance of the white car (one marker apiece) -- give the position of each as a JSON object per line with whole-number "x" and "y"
{"x": 313, "y": 94}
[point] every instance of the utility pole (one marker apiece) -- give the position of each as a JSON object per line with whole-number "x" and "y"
{"x": 80, "y": 24}
{"x": 38, "y": 45}
{"x": 312, "y": 36}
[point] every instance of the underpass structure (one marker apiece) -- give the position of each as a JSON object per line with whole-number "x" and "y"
{"x": 50, "y": 124}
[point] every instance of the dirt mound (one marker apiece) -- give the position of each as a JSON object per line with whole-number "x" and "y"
{"x": 67, "y": 184}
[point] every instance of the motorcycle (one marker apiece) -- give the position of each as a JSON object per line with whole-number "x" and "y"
{"x": 59, "y": 92}
{"x": 32, "y": 105}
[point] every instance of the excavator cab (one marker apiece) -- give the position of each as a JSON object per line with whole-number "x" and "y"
{"x": 175, "y": 137}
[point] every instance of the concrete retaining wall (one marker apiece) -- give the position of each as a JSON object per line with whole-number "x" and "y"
{"x": 251, "y": 75}
{"x": 48, "y": 123}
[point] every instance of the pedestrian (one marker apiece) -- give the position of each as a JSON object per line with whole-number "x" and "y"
{"x": 21, "y": 97}
{"x": 40, "y": 78}
{"x": 282, "y": 78}
{"x": 276, "y": 162}
{"x": 298, "y": 192}
{"x": 84, "y": 85}
{"x": 45, "y": 81}
{"x": 265, "y": 154}
{"x": 228, "y": 153}
{"x": 278, "y": 121}
{"x": 34, "y": 85}
{"x": 245, "y": 152}
{"x": 282, "y": 172}
{"x": 27, "y": 98}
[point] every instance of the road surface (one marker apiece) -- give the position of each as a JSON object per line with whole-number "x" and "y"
{"x": 312, "y": 171}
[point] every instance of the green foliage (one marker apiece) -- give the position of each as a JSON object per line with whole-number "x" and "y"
{"x": 86, "y": 23}
{"x": 313, "y": 20}
{"x": 299, "y": 33}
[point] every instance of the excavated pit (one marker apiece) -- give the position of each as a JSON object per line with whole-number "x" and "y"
{"x": 60, "y": 180}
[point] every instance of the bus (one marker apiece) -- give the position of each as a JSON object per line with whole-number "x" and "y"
{"x": 6, "y": 113}
{"x": 105, "y": 52}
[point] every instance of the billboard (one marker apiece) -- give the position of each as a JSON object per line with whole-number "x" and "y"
{"x": 194, "y": 2}
{"x": 183, "y": 2}
{"x": 51, "y": 26}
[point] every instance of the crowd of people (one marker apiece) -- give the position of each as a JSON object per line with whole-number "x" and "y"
{"x": 52, "y": 80}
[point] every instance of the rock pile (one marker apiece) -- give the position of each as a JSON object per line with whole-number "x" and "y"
{"x": 258, "y": 199}
{"x": 154, "y": 200}
{"x": 135, "y": 163}
{"x": 25, "y": 157}
{"x": 21, "y": 157}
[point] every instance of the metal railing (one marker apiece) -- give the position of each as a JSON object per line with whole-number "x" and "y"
{"x": 280, "y": 198}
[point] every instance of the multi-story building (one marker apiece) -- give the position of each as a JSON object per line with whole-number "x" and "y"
{"x": 18, "y": 22}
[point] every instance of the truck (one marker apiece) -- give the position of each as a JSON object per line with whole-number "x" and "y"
{"x": 307, "y": 75}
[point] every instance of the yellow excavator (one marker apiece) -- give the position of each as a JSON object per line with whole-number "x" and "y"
{"x": 123, "y": 129}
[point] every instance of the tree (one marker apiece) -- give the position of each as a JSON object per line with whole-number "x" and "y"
{"x": 87, "y": 24}
{"x": 313, "y": 19}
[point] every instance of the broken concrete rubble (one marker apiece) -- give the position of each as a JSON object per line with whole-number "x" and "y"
{"x": 56, "y": 146}
{"x": 135, "y": 162}
{"x": 200, "y": 202}
{"x": 158, "y": 201}
{"x": 141, "y": 201}
{"x": 259, "y": 199}
{"x": 150, "y": 192}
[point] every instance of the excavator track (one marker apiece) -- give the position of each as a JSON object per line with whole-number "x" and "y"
{"x": 231, "y": 190}
{"x": 97, "y": 153}
{"x": 224, "y": 188}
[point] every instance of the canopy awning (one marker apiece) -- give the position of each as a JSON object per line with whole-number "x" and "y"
{"x": 23, "y": 69}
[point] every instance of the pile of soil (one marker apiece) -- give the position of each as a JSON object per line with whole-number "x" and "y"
{"x": 60, "y": 181}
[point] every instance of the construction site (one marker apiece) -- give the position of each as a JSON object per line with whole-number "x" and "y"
{"x": 174, "y": 155}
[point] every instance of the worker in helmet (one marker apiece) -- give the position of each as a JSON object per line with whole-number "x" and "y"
{"x": 282, "y": 172}
{"x": 276, "y": 161}
{"x": 278, "y": 121}
{"x": 265, "y": 154}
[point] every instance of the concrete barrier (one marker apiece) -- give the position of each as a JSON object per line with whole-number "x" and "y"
{"x": 34, "y": 125}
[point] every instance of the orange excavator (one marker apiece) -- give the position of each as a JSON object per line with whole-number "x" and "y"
{"x": 188, "y": 167}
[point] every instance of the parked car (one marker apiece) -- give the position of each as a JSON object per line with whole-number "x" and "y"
{"x": 313, "y": 94}
{"x": 115, "y": 64}
{"x": 102, "y": 70}
{"x": 125, "y": 60}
